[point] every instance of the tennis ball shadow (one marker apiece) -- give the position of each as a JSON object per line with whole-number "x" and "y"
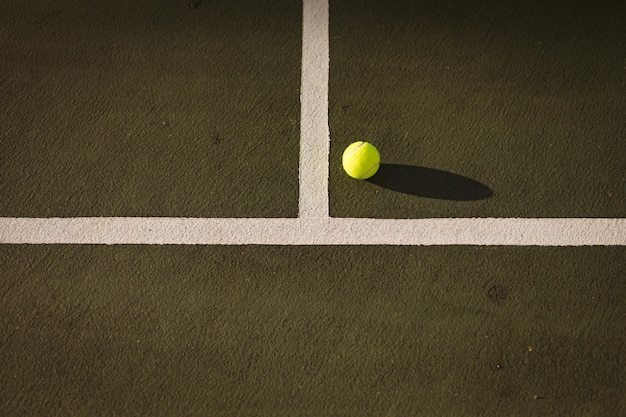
{"x": 429, "y": 182}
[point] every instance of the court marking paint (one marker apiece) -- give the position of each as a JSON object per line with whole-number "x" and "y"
{"x": 330, "y": 231}
{"x": 314, "y": 128}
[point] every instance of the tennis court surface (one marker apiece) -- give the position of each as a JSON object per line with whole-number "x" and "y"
{"x": 177, "y": 236}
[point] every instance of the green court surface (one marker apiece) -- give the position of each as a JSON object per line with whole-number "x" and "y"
{"x": 186, "y": 108}
{"x": 480, "y": 108}
{"x": 316, "y": 331}
{"x": 127, "y": 108}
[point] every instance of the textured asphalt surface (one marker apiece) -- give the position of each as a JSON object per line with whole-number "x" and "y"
{"x": 137, "y": 108}
{"x": 177, "y": 108}
{"x": 322, "y": 331}
{"x": 480, "y": 108}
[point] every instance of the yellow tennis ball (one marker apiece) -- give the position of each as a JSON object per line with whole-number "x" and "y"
{"x": 360, "y": 160}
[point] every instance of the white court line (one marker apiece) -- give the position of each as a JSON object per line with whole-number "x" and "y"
{"x": 330, "y": 231}
{"x": 314, "y": 129}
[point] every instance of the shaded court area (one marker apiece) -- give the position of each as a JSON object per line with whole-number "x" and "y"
{"x": 480, "y": 108}
{"x": 333, "y": 331}
{"x": 143, "y": 108}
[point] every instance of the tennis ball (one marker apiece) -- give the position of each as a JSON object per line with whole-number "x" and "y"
{"x": 360, "y": 160}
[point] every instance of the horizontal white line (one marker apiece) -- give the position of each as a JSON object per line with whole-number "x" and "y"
{"x": 328, "y": 231}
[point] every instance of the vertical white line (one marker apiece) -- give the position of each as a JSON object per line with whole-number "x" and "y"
{"x": 314, "y": 129}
